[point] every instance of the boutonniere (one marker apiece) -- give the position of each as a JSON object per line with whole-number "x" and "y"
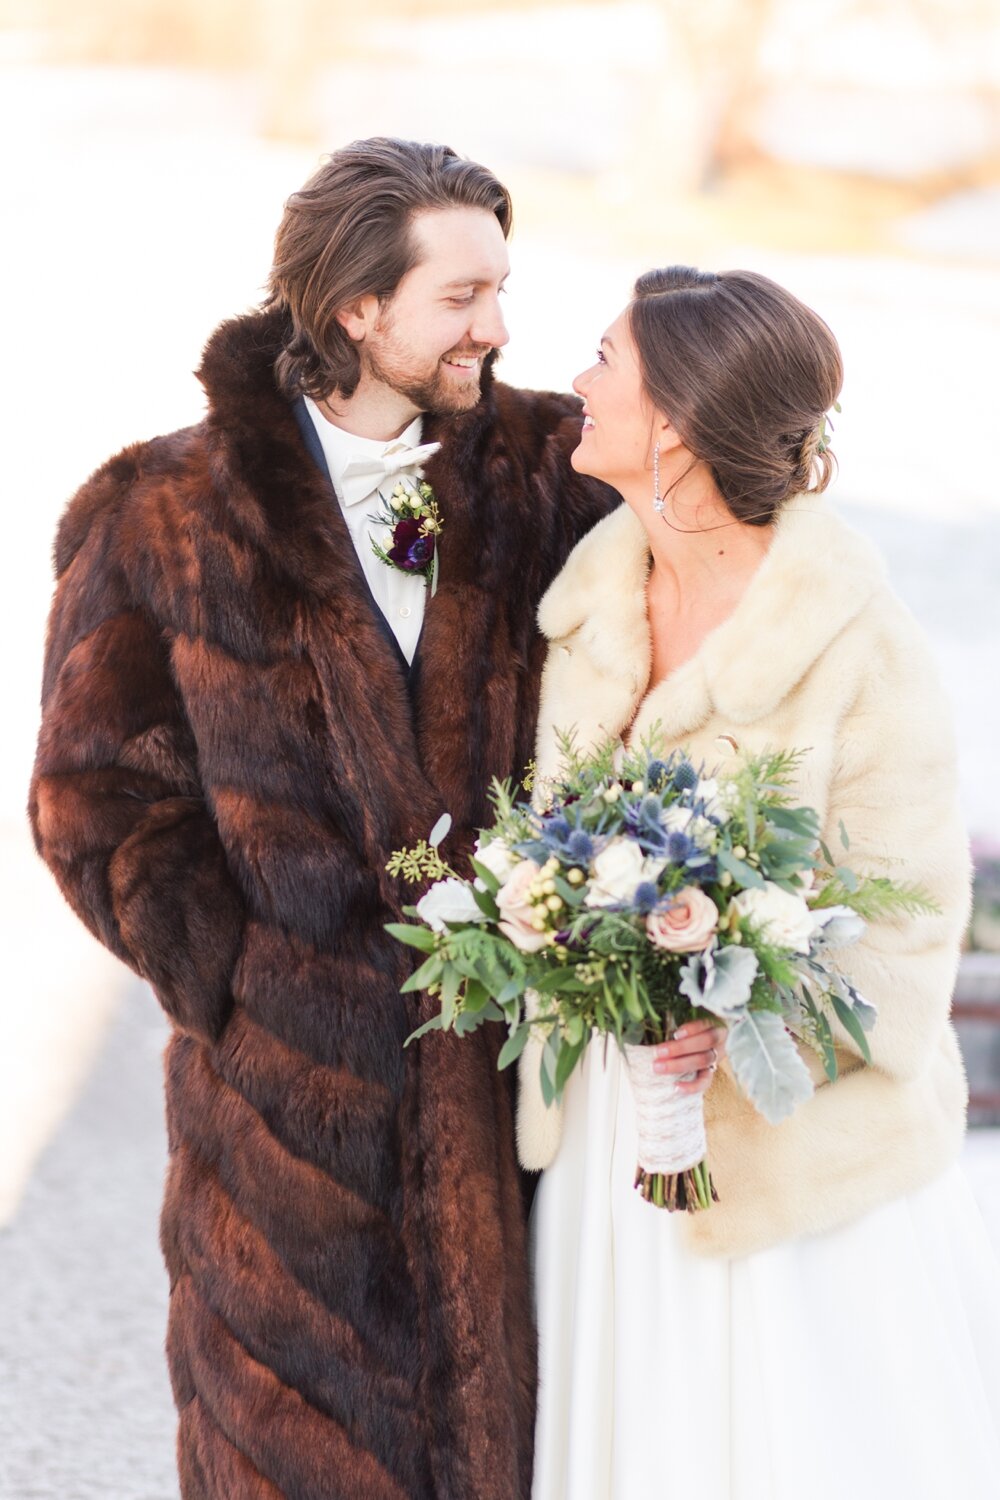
{"x": 413, "y": 524}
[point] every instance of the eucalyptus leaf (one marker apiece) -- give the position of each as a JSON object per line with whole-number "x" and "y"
{"x": 569, "y": 1054}
{"x": 740, "y": 870}
{"x": 633, "y": 1005}
{"x": 828, "y": 1052}
{"x": 413, "y": 937}
{"x": 550, "y": 1060}
{"x": 434, "y": 1024}
{"x": 475, "y": 998}
{"x": 486, "y": 903}
{"x": 514, "y": 1046}
{"x": 767, "y": 1065}
{"x": 440, "y": 830}
{"x": 801, "y": 821}
{"x": 853, "y": 1027}
{"x": 466, "y": 1021}
{"x": 486, "y": 875}
{"x": 429, "y": 973}
{"x": 511, "y": 990}
{"x": 451, "y": 982}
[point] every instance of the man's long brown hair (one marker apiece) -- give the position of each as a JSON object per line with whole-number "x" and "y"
{"x": 347, "y": 234}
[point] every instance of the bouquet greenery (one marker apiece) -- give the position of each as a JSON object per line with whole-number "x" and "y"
{"x": 638, "y": 894}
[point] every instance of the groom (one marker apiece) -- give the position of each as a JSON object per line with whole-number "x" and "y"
{"x": 246, "y": 710}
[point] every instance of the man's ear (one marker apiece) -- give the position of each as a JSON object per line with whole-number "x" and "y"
{"x": 358, "y": 318}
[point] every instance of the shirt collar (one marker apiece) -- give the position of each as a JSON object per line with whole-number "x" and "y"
{"x": 341, "y": 448}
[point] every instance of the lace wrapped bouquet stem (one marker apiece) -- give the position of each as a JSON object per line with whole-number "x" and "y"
{"x": 640, "y": 893}
{"x": 672, "y": 1171}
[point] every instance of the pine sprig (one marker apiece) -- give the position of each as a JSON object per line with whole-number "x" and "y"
{"x": 875, "y": 896}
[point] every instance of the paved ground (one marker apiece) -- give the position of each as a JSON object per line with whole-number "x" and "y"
{"x": 85, "y": 1408}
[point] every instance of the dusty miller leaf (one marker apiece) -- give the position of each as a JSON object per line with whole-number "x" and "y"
{"x": 767, "y": 1065}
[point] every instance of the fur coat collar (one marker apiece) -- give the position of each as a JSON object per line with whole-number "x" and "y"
{"x": 816, "y": 577}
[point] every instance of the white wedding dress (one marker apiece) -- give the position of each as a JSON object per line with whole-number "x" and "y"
{"x": 859, "y": 1365}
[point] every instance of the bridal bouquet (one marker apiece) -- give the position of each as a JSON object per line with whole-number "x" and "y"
{"x": 643, "y": 894}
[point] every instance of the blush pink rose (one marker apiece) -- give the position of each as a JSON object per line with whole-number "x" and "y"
{"x": 687, "y": 926}
{"x": 516, "y": 910}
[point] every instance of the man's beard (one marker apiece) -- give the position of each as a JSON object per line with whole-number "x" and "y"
{"x": 429, "y": 390}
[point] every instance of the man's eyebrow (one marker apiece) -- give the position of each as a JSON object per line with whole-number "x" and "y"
{"x": 474, "y": 281}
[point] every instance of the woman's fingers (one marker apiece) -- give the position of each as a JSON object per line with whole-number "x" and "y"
{"x": 695, "y": 1049}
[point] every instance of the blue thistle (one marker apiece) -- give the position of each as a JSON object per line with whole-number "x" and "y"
{"x": 646, "y": 897}
{"x": 685, "y": 777}
{"x": 657, "y": 773}
{"x": 580, "y": 847}
{"x": 679, "y": 848}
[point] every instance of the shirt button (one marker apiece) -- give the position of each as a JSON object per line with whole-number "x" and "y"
{"x": 405, "y": 611}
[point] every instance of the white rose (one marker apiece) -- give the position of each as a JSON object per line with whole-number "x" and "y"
{"x": 617, "y": 870}
{"x": 781, "y": 917}
{"x": 497, "y": 858}
{"x": 713, "y": 795}
{"x": 448, "y": 901}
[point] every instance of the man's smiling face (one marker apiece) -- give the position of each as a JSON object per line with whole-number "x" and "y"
{"x": 429, "y": 340}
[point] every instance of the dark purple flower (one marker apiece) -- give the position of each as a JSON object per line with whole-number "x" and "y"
{"x": 410, "y": 548}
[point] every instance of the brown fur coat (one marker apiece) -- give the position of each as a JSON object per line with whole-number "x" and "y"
{"x": 229, "y": 753}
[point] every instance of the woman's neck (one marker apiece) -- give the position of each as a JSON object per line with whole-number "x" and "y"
{"x": 702, "y": 564}
{"x": 701, "y": 555}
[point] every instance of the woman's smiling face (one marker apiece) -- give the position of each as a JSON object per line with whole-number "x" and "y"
{"x": 617, "y": 439}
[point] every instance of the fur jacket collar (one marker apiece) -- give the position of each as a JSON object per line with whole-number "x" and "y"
{"x": 815, "y": 578}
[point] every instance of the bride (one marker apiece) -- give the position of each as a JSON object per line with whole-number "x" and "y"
{"x": 831, "y": 1326}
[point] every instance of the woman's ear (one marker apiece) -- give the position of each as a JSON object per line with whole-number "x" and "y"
{"x": 666, "y": 434}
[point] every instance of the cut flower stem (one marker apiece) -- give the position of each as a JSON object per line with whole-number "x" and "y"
{"x": 692, "y": 1190}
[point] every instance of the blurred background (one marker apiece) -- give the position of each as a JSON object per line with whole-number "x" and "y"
{"x": 849, "y": 148}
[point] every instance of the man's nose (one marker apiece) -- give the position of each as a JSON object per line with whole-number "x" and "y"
{"x": 489, "y": 326}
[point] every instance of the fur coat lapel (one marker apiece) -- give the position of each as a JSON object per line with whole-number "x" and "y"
{"x": 814, "y": 580}
{"x": 281, "y": 500}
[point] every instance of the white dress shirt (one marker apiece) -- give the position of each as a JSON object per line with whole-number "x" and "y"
{"x": 400, "y": 596}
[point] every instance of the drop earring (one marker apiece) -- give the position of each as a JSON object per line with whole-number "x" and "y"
{"x": 658, "y": 500}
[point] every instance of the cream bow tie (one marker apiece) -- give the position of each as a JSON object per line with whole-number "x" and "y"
{"x": 364, "y": 475}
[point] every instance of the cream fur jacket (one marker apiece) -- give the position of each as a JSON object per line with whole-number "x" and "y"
{"x": 818, "y": 654}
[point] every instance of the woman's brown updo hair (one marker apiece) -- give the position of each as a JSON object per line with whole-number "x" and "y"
{"x": 746, "y": 373}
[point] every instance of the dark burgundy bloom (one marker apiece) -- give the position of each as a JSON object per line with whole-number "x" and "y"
{"x": 410, "y": 550}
